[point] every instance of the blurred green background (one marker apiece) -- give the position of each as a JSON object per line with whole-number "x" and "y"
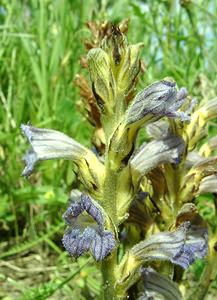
{"x": 41, "y": 45}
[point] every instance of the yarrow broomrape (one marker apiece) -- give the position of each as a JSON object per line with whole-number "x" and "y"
{"x": 136, "y": 205}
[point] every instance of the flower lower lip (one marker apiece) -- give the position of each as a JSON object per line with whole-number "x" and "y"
{"x": 97, "y": 240}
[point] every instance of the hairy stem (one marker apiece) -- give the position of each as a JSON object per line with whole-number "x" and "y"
{"x": 110, "y": 197}
{"x": 112, "y": 169}
{"x": 109, "y": 277}
{"x": 110, "y": 264}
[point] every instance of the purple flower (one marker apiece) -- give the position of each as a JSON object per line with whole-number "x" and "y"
{"x": 80, "y": 238}
{"x": 181, "y": 246}
{"x": 157, "y": 100}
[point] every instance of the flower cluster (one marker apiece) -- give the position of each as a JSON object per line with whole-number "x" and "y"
{"x": 137, "y": 200}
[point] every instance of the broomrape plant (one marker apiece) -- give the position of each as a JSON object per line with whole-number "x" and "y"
{"x": 135, "y": 214}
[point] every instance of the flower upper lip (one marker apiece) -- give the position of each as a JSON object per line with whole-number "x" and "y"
{"x": 48, "y": 144}
{"x": 182, "y": 246}
{"x": 51, "y": 144}
{"x": 158, "y": 99}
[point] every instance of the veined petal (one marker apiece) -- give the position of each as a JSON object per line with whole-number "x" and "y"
{"x": 196, "y": 245}
{"x": 49, "y": 144}
{"x": 93, "y": 238}
{"x": 158, "y": 129}
{"x": 193, "y": 158}
{"x": 197, "y": 241}
{"x": 94, "y": 210}
{"x": 159, "y": 99}
{"x": 75, "y": 208}
{"x": 102, "y": 245}
{"x": 182, "y": 246}
{"x": 160, "y": 284}
{"x": 81, "y": 203}
{"x": 208, "y": 184}
{"x": 167, "y": 150}
{"x": 99, "y": 243}
{"x": 191, "y": 182}
{"x": 161, "y": 246}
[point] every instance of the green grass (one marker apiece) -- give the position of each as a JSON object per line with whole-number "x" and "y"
{"x": 41, "y": 43}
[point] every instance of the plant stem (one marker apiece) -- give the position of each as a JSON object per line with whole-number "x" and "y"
{"x": 112, "y": 169}
{"x": 109, "y": 265}
{"x": 109, "y": 199}
{"x": 109, "y": 277}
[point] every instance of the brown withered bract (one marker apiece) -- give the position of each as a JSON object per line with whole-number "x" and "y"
{"x": 189, "y": 212}
{"x": 87, "y": 95}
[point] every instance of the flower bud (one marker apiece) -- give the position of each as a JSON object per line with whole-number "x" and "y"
{"x": 130, "y": 68}
{"x": 103, "y": 84}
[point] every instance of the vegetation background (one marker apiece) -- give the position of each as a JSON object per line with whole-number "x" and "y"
{"x": 41, "y": 44}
